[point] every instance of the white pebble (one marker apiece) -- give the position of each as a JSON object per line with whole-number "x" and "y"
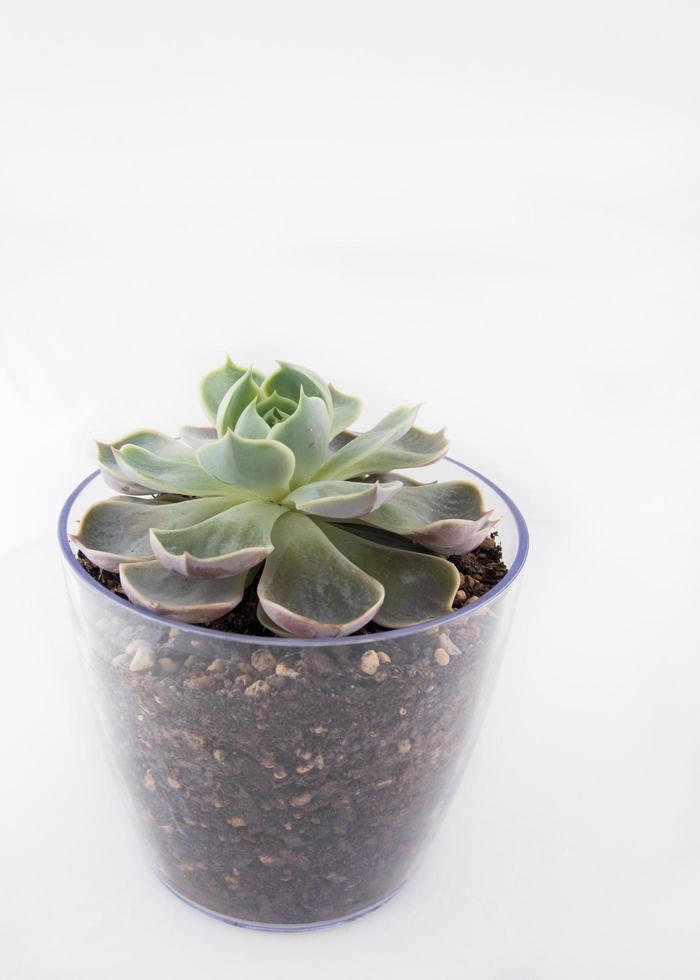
{"x": 143, "y": 657}
{"x": 263, "y": 661}
{"x": 257, "y": 689}
{"x": 448, "y": 645}
{"x": 369, "y": 663}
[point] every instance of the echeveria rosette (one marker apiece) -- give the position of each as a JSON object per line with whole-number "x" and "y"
{"x": 278, "y": 489}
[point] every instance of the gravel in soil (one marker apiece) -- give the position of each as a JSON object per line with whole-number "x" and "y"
{"x": 292, "y": 785}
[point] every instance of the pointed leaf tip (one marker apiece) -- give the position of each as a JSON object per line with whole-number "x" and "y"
{"x": 445, "y": 517}
{"x": 236, "y": 399}
{"x": 346, "y": 409}
{"x": 364, "y": 453}
{"x": 113, "y": 474}
{"x": 250, "y": 425}
{"x": 216, "y": 383}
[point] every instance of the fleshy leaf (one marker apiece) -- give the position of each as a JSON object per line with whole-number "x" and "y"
{"x": 359, "y": 455}
{"x": 289, "y": 379}
{"x": 341, "y": 499}
{"x": 306, "y": 433}
{"x": 156, "y": 442}
{"x": 196, "y": 436}
{"x": 346, "y": 408}
{"x": 415, "y": 448}
{"x": 445, "y": 517}
{"x": 309, "y": 588}
{"x": 417, "y": 586}
{"x": 150, "y": 585}
{"x": 113, "y": 532}
{"x": 214, "y": 386}
{"x": 455, "y": 537}
{"x": 250, "y": 425}
{"x": 114, "y": 477}
{"x": 239, "y": 395}
{"x": 228, "y": 543}
{"x": 284, "y": 406}
{"x": 270, "y": 624}
{"x": 173, "y": 476}
{"x": 261, "y": 466}
{"x": 390, "y": 477}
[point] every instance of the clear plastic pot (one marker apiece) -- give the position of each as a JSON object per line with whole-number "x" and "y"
{"x": 289, "y": 784}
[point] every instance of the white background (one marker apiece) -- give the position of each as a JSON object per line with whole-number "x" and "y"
{"x": 491, "y": 207}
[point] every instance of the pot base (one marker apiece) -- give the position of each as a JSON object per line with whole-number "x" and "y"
{"x": 281, "y": 927}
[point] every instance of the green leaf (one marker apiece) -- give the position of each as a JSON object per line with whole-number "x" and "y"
{"x": 250, "y": 425}
{"x": 346, "y": 408}
{"x": 226, "y": 544}
{"x": 115, "y": 477}
{"x": 270, "y": 624}
{"x": 196, "y": 436}
{"x": 289, "y": 379}
{"x": 341, "y": 499}
{"x": 146, "y": 438}
{"x": 152, "y": 586}
{"x": 309, "y": 588}
{"x": 116, "y": 531}
{"x": 445, "y": 517}
{"x": 415, "y": 448}
{"x": 360, "y": 454}
{"x": 260, "y": 466}
{"x": 172, "y": 475}
{"x": 414, "y": 507}
{"x": 418, "y": 587}
{"x": 284, "y": 406}
{"x": 306, "y": 433}
{"x": 214, "y": 386}
{"x": 391, "y": 477}
{"x": 155, "y": 442}
{"x": 239, "y": 395}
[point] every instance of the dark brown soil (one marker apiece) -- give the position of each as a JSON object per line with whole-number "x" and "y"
{"x": 480, "y": 571}
{"x": 291, "y": 785}
{"x": 287, "y": 785}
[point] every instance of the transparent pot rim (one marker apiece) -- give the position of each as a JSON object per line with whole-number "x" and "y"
{"x": 431, "y": 624}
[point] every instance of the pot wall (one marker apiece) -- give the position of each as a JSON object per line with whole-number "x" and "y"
{"x": 288, "y": 784}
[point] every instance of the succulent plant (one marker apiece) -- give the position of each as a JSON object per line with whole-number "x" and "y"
{"x": 279, "y": 488}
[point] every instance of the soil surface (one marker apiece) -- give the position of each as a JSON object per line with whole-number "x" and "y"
{"x": 479, "y": 571}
